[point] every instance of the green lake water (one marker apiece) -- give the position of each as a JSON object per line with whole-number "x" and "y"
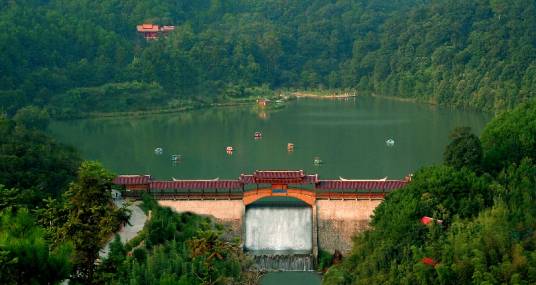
{"x": 348, "y": 136}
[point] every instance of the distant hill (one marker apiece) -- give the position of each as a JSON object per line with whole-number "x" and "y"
{"x": 83, "y": 56}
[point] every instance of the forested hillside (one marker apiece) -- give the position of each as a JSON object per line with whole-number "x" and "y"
{"x": 483, "y": 202}
{"x": 84, "y": 56}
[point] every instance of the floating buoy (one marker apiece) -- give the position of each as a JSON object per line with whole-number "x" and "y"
{"x": 390, "y": 142}
{"x": 158, "y": 151}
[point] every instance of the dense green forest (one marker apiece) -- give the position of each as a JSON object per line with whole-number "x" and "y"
{"x": 75, "y": 57}
{"x": 485, "y": 197}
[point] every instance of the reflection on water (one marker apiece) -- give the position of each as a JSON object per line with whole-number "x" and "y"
{"x": 348, "y": 136}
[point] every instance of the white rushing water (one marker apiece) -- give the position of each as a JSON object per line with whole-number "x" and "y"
{"x": 279, "y": 229}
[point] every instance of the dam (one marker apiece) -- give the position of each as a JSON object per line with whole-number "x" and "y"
{"x": 282, "y": 218}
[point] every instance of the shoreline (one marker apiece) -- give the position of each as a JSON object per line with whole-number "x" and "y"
{"x": 242, "y": 102}
{"x": 300, "y": 94}
{"x": 156, "y": 111}
{"x": 403, "y": 99}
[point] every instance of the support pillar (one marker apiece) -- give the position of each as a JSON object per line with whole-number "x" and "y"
{"x": 315, "y": 233}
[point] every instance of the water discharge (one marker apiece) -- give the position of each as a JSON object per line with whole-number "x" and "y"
{"x": 280, "y": 237}
{"x": 279, "y": 229}
{"x": 284, "y": 262}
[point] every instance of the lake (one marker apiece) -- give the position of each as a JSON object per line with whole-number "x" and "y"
{"x": 348, "y": 136}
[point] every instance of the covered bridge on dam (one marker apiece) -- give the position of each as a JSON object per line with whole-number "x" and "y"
{"x": 252, "y": 187}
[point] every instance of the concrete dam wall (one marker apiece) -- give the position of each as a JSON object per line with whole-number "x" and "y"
{"x": 340, "y": 220}
{"x": 281, "y": 228}
{"x": 226, "y": 212}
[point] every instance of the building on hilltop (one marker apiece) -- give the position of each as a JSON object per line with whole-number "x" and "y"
{"x": 153, "y": 32}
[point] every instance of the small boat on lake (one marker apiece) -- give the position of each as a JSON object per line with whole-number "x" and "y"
{"x": 390, "y": 142}
{"x": 176, "y": 157}
{"x": 258, "y": 135}
{"x": 290, "y": 147}
{"x": 158, "y": 151}
{"x": 317, "y": 161}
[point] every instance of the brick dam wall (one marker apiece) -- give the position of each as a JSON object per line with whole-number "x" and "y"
{"x": 227, "y": 212}
{"x": 339, "y": 220}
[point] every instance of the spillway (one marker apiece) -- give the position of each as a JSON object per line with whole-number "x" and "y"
{"x": 280, "y": 237}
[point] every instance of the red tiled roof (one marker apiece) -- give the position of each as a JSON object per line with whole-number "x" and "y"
{"x": 196, "y": 184}
{"x": 310, "y": 179}
{"x": 247, "y": 179}
{"x": 279, "y": 177}
{"x": 360, "y": 185}
{"x": 131, "y": 179}
{"x": 278, "y": 174}
{"x": 147, "y": 28}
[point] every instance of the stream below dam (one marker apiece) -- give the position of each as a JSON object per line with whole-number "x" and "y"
{"x": 361, "y": 138}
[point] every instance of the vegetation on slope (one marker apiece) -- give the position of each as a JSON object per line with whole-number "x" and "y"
{"x": 32, "y": 161}
{"x": 487, "y": 234}
{"x": 82, "y": 56}
{"x": 176, "y": 249}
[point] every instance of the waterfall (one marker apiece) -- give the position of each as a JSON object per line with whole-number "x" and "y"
{"x": 279, "y": 237}
{"x": 288, "y": 262}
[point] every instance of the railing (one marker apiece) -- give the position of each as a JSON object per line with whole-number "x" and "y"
{"x": 234, "y": 195}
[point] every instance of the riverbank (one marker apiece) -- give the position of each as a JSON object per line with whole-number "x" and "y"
{"x": 403, "y": 99}
{"x": 277, "y": 102}
{"x": 280, "y": 100}
{"x": 324, "y": 95}
{"x": 157, "y": 111}
{"x": 190, "y": 106}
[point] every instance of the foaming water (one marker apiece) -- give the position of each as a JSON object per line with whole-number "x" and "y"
{"x": 284, "y": 262}
{"x": 280, "y": 237}
{"x": 279, "y": 229}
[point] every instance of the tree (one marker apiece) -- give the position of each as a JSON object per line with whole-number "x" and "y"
{"x": 116, "y": 256}
{"x": 90, "y": 217}
{"x": 25, "y": 254}
{"x": 32, "y": 118}
{"x": 510, "y": 137}
{"x": 464, "y": 150}
{"x": 30, "y": 159}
